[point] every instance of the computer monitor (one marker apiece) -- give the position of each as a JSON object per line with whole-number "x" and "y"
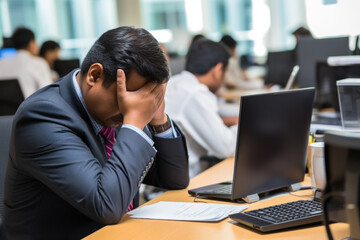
{"x": 310, "y": 51}
{"x": 279, "y": 67}
{"x": 64, "y": 66}
{"x": 11, "y": 96}
{"x": 341, "y": 198}
{"x": 326, "y": 77}
{"x": 7, "y": 53}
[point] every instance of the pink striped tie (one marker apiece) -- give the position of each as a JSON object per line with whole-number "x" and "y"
{"x": 109, "y": 135}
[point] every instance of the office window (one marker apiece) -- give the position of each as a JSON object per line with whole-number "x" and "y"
{"x": 232, "y": 17}
{"x": 74, "y": 23}
{"x": 66, "y": 18}
{"x": 17, "y": 13}
{"x": 166, "y": 14}
{"x": 181, "y": 19}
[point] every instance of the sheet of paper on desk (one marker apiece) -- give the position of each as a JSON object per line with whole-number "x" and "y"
{"x": 187, "y": 211}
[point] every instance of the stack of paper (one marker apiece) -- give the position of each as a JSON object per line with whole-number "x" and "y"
{"x": 187, "y": 211}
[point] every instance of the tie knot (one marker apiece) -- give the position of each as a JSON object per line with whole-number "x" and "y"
{"x": 108, "y": 134}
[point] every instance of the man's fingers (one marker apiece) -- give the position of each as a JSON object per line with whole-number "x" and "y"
{"x": 160, "y": 94}
{"x": 121, "y": 81}
{"x": 159, "y": 90}
{"x": 148, "y": 87}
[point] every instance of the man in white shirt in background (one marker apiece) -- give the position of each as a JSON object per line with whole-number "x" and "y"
{"x": 235, "y": 76}
{"x": 31, "y": 71}
{"x": 192, "y": 103}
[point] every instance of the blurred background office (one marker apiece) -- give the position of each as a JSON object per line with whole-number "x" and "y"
{"x": 258, "y": 26}
{"x": 264, "y": 30}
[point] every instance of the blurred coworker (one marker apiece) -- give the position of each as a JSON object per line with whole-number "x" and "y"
{"x": 32, "y": 71}
{"x": 301, "y": 32}
{"x": 235, "y": 77}
{"x": 50, "y": 51}
{"x": 191, "y": 101}
{"x": 195, "y": 38}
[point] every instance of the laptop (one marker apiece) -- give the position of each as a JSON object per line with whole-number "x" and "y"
{"x": 292, "y": 77}
{"x": 271, "y": 148}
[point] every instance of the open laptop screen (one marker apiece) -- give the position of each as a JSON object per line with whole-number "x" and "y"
{"x": 272, "y": 141}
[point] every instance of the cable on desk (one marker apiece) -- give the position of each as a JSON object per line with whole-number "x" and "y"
{"x": 306, "y": 188}
{"x": 198, "y": 201}
{"x": 325, "y": 200}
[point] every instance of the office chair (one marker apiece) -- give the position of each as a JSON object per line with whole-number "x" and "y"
{"x": 64, "y": 66}
{"x": 11, "y": 96}
{"x": 5, "y": 133}
{"x": 341, "y": 198}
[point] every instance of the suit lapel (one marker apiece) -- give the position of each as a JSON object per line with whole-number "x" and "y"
{"x": 68, "y": 92}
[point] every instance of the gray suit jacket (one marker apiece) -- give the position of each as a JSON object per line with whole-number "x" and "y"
{"x": 60, "y": 184}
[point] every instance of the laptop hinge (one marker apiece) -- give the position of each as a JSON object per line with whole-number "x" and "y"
{"x": 251, "y": 198}
{"x": 295, "y": 187}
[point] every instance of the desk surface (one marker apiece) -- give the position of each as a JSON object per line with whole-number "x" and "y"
{"x": 226, "y": 229}
{"x": 236, "y": 94}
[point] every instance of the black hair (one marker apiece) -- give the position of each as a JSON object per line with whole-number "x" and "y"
{"x": 48, "y": 45}
{"x": 129, "y": 49}
{"x": 22, "y": 37}
{"x": 228, "y": 41}
{"x": 196, "y": 37}
{"x": 204, "y": 54}
{"x": 302, "y": 32}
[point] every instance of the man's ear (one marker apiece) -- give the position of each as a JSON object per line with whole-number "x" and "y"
{"x": 95, "y": 74}
{"x": 217, "y": 70}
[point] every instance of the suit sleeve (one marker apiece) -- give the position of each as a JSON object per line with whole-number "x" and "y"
{"x": 52, "y": 147}
{"x": 171, "y": 168}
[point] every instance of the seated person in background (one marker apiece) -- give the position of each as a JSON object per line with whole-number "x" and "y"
{"x": 31, "y": 71}
{"x": 192, "y": 103}
{"x": 82, "y": 146}
{"x": 50, "y": 51}
{"x": 299, "y": 33}
{"x": 196, "y": 38}
{"x": 235, "y": 77}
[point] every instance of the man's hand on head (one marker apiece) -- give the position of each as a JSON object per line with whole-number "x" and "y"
{"x": 160, "y": 117}
{"x": 140, "y": 106}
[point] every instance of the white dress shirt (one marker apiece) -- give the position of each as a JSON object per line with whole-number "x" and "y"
{"x": 32, "y": 72}
{"x": 234, "y": 77}
{"x": 195, "y": 109}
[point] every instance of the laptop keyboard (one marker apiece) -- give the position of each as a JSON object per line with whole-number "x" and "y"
{"x": 226, "y": 189}
{"x": 291, "y": 211}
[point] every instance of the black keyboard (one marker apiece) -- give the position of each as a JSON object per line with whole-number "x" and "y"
{"x": 291, "y": 211}
{"x": 226, "y": 189}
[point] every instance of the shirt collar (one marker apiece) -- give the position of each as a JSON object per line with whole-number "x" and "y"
{"x": 97, "y": 127}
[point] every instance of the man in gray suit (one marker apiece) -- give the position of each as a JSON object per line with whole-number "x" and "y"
{"x": 64, "y": 179}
